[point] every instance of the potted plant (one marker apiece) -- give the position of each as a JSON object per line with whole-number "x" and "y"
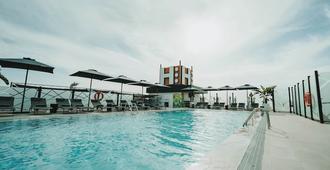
{"x": 266, "y": 94}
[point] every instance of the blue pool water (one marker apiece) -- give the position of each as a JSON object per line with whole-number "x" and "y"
{"x": 150, "y": 140}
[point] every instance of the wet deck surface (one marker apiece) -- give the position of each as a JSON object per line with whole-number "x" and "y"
{"x": 295, "y": 142}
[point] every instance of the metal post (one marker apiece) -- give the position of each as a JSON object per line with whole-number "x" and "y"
{"x": 318, "y": 93}
{"x": 117, "y": 99}
{"x": 247, "y": 99}
{"x": 72, "y": 94}
{"x": 289, "y": 100}
{"x": 299, "y": 104}
{"x": 295, "y": 99}
{"x": 26, "y": 77}
{"x": 293, "y": 105}
{"x": 232, "y": 97}
{"x": 90, "y": 92}
{"x": 39, "y": 91}
{"x": 227, "y": 98}
{"x": 309, "y": 90}
{"x": 273, "y": 98}
{"x": 303, "y": 87}
{"x": 121, "y": 93}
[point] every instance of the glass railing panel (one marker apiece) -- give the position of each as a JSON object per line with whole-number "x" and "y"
{"x": 324, "y": 79}
{"x": 308, "y": 110}
{"x": 314, "y": 99}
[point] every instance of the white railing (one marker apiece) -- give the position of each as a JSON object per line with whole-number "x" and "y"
{"x": 251, "y": 118}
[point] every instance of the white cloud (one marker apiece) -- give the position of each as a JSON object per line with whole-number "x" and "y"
{"x": 218, "y": 38}
{"x": 327, "y": 11}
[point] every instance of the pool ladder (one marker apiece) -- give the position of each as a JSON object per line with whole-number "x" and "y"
{"x": 250, "y": 117}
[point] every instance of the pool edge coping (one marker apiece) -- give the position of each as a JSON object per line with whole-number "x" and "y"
{"x": 229, "y": 154}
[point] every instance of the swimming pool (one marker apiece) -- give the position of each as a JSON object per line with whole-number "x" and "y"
{"x": 145, "y": 140}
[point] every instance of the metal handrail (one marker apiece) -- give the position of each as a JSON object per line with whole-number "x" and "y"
{"x": 250, "y": 116}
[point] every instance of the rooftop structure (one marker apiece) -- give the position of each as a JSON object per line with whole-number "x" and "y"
{"x": 176, "y": 75}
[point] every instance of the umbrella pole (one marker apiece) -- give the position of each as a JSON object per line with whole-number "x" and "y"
{"x": 227, "y": 98}
{"x": 121, "y": 91}
{"x": 232, "y": 97}
{"x": 90, "y": 92}
{"x": 26, "y": 77}
{"x": 247, "y": 98}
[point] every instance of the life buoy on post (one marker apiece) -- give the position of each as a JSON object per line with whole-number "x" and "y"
{"x": 307, "y": 99}
{"x": 98, "y": 95}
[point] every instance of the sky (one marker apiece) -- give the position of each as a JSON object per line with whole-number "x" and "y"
{"x": 275, "y": 42}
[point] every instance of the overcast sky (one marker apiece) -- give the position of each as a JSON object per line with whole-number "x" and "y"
{"x": 227, "y": 42}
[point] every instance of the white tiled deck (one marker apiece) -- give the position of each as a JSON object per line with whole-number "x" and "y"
{"x": 295, "y": 142}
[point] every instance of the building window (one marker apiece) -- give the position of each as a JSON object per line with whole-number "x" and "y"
{"x": 166, "y": 70}
{"x": 186, "y": 81}
{"x": 186, "y": 70}
{"x": 166, "y": 81}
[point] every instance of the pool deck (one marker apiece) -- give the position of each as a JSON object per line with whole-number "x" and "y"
{"x": 295, "y": 142}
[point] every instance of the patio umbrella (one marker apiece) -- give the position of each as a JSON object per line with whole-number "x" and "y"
{"x": 226, "y": 88}
{"x": 194, "y": 89}
{"x": 161, "y": 85}
{"x": 26, "y": 64}
{"x": 91, "y": 74}
{"x": 210, "y": 89}
{"x": 120, "y": 79}
{"x": 191, "y": 89}
{"x": 142, "y": 83}
{"x": 247, "y": 87}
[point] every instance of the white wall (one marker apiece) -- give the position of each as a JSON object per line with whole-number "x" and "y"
{"x": 166, "y": 97}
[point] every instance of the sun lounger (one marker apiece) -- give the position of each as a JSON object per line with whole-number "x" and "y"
{"x": 137, "y": 105}
{"x": 222, "y": 105}
{"x": 233, "y": 106}
{"x": 7, "y": 104}
{"x": 156, "y": 106}
{"x": 97, "y": 105}
{"x": 218, "y": 105}
{"x": 200, "y": 105}
{"x": 241, "y": 106}
{"x": 205, "y": 105}
{"x": 111, "y": 106}
{"x": 134, "y": 106}
{"x": 143, "y": 106}
{"x": 255, "y": 105}
{"x": 124, "y": 105}
{"x": 64, "y": 104}
{"x": 77, "y": 105}
{"x": 39, "y": 104}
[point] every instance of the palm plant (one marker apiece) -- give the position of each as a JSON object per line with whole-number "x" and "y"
{"x": 266, "y": 93}
{"x": 73, "y": 85}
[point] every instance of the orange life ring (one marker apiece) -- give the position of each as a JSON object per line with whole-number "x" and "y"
{"x": 98, "y": 95}
{"x": 307, "y": 99}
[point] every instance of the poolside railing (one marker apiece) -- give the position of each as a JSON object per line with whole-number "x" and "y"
{"x": 50, "y": 93}
{"x": 310, "y": 98}
{"x": 250, "y": 117}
